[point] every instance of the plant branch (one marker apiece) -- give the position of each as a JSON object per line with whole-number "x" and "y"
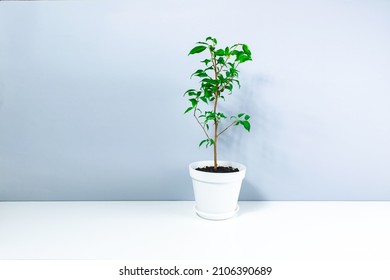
{"x": 229, "y": 80}
{"x": 233, "y": 123}
{"x": 226, "y": 83}
{"x": 227, "y": 59}
{"x": 202, "y": 126}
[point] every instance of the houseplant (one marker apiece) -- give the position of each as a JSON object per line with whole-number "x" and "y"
{"x": 216, "y": 183}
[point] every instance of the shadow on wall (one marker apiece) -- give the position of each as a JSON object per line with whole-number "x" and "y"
{"x": 251, "y": 191}
{"x": 250, "y": 100}
{"x": 254, "y": 149}
{"x": 1, "y": 95}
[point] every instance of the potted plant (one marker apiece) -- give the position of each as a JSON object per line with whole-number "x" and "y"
{"x": 216, "y": 183}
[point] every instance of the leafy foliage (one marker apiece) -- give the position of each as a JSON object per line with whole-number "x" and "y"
{"x": 218, "y": 77}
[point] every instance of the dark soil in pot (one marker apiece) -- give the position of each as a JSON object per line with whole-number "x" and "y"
{"x": 220, "y": 169}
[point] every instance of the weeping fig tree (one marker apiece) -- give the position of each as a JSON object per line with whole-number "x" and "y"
{"x": 218, "y": 76}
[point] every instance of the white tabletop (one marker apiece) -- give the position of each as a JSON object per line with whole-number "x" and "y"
{"x": 171, "y": 230}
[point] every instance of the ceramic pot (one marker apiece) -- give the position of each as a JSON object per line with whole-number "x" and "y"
{"x": 216, "y": 194}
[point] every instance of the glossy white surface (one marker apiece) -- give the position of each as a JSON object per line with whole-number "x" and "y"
{"x": 171, "y": 230}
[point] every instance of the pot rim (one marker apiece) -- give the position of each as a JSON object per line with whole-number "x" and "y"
{"x": 217, "y": 177}
{"x": 203, "y": 163}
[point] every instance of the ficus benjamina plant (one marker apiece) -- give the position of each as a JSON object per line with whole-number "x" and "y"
{"x": 218, "y": 77}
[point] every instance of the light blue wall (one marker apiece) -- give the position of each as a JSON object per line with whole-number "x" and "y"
{"x": 91, "y": 98}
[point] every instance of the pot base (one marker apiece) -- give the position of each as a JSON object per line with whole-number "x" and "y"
{"x": 216, "y": 217}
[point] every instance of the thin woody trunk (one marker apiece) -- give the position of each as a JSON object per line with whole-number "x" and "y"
{"x": 215, "y": 133}
{"x": 215, "y": 146}
{"x": 215, "y": 116}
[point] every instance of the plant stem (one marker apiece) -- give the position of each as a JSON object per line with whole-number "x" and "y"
{"x": 216, "y": 95}
{"x": 233, "y": 123}
{"x": 202, "y": 126}
{"x": 227, "y": 58}
{"x": 215, "y": 134}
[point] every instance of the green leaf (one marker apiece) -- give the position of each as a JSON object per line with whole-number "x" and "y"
{"x": 247, "y": 117}
{"x": 202, "y": 142}
{"x": 190, "y": 92}
{"x": 199, "y": 73}
{"x": 188, "y": 109}
{"x": 206, "y": 61}
{"x": 220, "y": 52}
{"x": 221, "y": 115}
{"x": 210, "y": 81}
{"x": 233, "y": 71}
{"x": 246, "y": 125}
{"x": 246, "y": 50}
{"x": 229, "y": 87}
{"x": 194, "y": 102}
{"x": 243, "y": 57}
{"x": 212, "y": 39}
{"x": 210, "y": 115}
{"x": 241, "y": 114}
{"x": 197, "y": 49}
{"x": 208, "y": 142}
{"x": 208, "y": 94}
{"x": 204, "y": 99}
{"x": 221, "y": 60}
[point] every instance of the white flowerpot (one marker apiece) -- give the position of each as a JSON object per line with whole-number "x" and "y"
{"x": 216, "y": 194}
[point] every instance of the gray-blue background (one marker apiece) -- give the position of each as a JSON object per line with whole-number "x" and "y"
{"x": 91, "y": 104}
